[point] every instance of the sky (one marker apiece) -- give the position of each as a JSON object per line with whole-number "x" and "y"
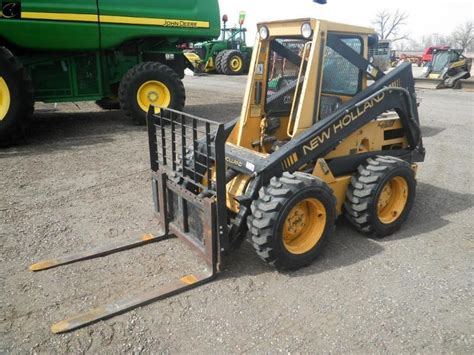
{"x": 425, "y": 16}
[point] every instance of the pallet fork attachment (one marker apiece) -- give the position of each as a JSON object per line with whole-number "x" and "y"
{"x": 187, "y": 203}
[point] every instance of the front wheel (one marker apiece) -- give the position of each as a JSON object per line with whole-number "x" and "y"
{"x": 380, "y": 196}
{"x": 292, "y": 220}
{"x": 150, "y": 83}
{"x": 16, "y": 98}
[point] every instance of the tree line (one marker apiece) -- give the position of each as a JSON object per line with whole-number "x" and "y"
{"x": 392, "y": 26}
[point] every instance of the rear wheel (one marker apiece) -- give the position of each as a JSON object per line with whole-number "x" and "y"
{"x": 218, "y": 63}
{"x": 381, "y": 196}
{"x": 16, "y": 98}
{"x": 232, "y": 62}
{"x": 150, "y": 83}
{"x": 292, "y": 220}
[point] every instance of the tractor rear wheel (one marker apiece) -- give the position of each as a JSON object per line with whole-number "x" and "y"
{"x": 232, "y": 62}
{"x": 380, "y": 196}
{"x": 292, "y": 220}
{"x": 16, "y": 98}
{"x": 218, "y": 63}
{"x": 150, "y": 83}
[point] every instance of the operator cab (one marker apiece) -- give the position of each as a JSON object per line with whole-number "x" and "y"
{"x": 297, "y": 79}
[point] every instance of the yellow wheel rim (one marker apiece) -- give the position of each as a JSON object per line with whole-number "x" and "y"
{"x": 4, "y": 99}
{"x": 304, "y": 226}
{"x": 392, "y": 200}
{"x": 236, "y": 64}
{"x": 154, "y": 93}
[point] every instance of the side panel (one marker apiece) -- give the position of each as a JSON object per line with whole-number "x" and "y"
{"x": 67, "y": 79}
{"x": 124, "y": 20}
{"x": 52, "y": 25}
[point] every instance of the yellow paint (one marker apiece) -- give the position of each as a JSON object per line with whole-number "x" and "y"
{"x": 148, "y": 236}
{"x": 154, "y": 93}
{"x": 392, "y": 200}
{"x": 189, "y": 279}
{"x": 235, "y": 188}
{"x": 5, "y": 99}
{"x": 154, "y": 22}
{"x": 192, "y": 57}
{"x": 45, "y": 264}
{"x": 304, "y": 226}
{"x": 236, "y": 63}
{"x": 370, "y": 138}
{"x": 127, "y": 20}
{"x": 60, "y": 327}
{"x": 59, "y": 16}
{"x": 338, "y": 184}
{"x": 459, "y": 63}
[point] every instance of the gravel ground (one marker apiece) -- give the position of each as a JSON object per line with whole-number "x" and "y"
{"x": 83, "y": 179}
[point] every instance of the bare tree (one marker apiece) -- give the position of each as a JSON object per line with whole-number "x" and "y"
{"x": 389, "y": 25}
{"x": 463, "y": 34}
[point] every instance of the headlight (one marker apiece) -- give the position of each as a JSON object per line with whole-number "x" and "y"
{"x": 306, "y": 30}
{"x": 264, "y": 32}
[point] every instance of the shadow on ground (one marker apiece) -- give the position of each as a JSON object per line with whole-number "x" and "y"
{"x": 221, "y": 113}
{"x": 348, "y": 247}
{"x": 431, "y": 131}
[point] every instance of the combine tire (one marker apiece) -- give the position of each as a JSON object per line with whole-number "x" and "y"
{"x": 218, "y": 64}
{"x": 16, "y": 98}
{"x": 380, "y": 196}
{"x": 150, "y": 83}
{"x": 232, "y": 62}
{"x": 292, "y": 220}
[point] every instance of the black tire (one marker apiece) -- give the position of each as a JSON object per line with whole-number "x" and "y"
{"x": 365, "y": 189}
{"x": 142, "y": 73}
{"x": 272, "y": 208}
{"x": 227, "y": 61}
{"x": 20, "y": 105}
{"x": 218, "y": 63}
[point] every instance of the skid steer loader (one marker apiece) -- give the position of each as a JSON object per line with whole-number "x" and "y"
{"x": 313, "y": 142}
{"x": 446, "y": 70}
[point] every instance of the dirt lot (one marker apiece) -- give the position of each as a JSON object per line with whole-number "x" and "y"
{"x": 83, "y": 179}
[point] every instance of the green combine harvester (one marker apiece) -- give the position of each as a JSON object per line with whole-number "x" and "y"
{"x": 228, "y": 55}
{"x": 125, "y": 53}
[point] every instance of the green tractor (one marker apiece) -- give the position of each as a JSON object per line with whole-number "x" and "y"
{"x": 228, "y": 55}
{"x": 116, "y": 52}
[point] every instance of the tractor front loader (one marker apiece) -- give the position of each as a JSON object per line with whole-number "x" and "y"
{"x": 313, "y": 142}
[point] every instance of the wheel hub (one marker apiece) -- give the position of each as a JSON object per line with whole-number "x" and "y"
{"x": 296, "y": 221}
{"x": 392, "y": 200}
{"x": 4, "y": 99}
{"x": 304, "y": 226}
{"x": 154, "y": 93}
{"x": 236, "y": 64}
{"x": 153, "y": 96}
